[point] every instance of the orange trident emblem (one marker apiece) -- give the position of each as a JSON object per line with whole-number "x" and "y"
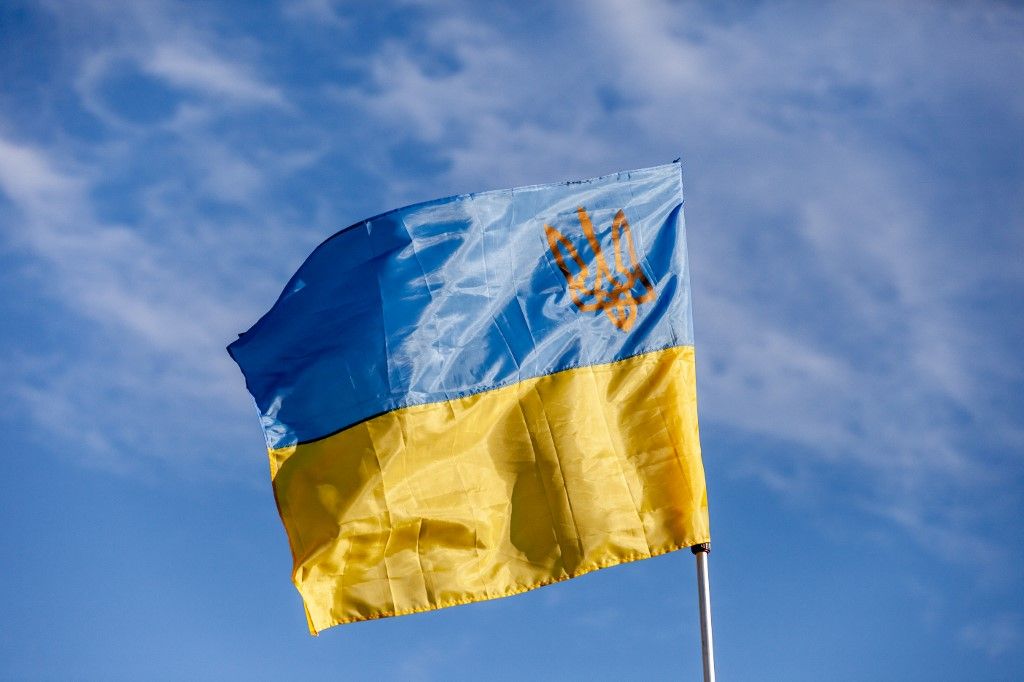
{"x": 612, "y": 293}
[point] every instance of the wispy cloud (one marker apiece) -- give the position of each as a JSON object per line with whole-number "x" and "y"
{"x": 832, "y": 288}
{"x": 109, "y": 270}
{"x": 193, "y": 67}
{"x": 854, "y": 183}
{"x": 994, "y": 637}
{"x": 323, "y": 12}
{"x": 166, "y": 320}
{"x": 158, "y": 299}
{"x": 836, "y": 259}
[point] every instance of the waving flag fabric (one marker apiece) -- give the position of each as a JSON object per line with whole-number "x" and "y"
{"x": 475, "y": 396}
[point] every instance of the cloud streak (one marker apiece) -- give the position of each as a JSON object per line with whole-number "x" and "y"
{"x": 854, "y": 207}
{"x": 834, "y": 279}
{"x": 192, "y": 67}
{"x": 830, "y": 283}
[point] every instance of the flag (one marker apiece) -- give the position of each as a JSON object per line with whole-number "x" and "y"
{"x": 479, "y": 395}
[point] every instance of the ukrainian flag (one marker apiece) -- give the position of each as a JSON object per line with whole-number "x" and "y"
{"x": 472, "y": 397}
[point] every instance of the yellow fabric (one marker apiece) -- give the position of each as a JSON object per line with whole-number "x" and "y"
{"x": 496, "y": 493}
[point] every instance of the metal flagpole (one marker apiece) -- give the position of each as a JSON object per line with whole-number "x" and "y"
{"x": 704, "y": 591}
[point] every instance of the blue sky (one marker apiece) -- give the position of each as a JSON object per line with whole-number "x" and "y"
{"x": 855, "y": 188}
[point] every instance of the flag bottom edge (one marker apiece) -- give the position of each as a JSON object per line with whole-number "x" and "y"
{"x": 515, "y": 590}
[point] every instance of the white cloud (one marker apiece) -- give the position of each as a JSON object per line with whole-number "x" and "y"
{"x": 828, "y": 290}
{"x": 187, "y": 57}
{"x": 830, "y": 293}
{"x": 169, "y": 324}
{"x": 841, "y": 270}
{"x": 156, "y": 296}
{"x": 109, "y": 270}
{"x": 995, "y": 636}
{"x": 323, "y": 12}
{"x": 29, "y": 179}
{"x": 194, "y": 67}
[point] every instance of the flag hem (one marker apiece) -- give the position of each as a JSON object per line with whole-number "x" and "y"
{"x": 516, "y": 589}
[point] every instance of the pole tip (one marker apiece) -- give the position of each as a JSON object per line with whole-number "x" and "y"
{"x": 704, "y": 547}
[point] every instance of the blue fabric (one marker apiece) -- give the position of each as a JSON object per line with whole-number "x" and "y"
{"x": 460, "y": 295}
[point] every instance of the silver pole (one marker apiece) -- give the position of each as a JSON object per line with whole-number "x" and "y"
{"x": 707, "y": 646}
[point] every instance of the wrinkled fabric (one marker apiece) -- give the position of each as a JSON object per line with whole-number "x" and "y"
{"x": 479, "y": 395}
{"x": 458, "y": 295}
{"x": 496, "y": 493}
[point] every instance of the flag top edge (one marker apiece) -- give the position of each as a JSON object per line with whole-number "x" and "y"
{"x": 677, "y": 164}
